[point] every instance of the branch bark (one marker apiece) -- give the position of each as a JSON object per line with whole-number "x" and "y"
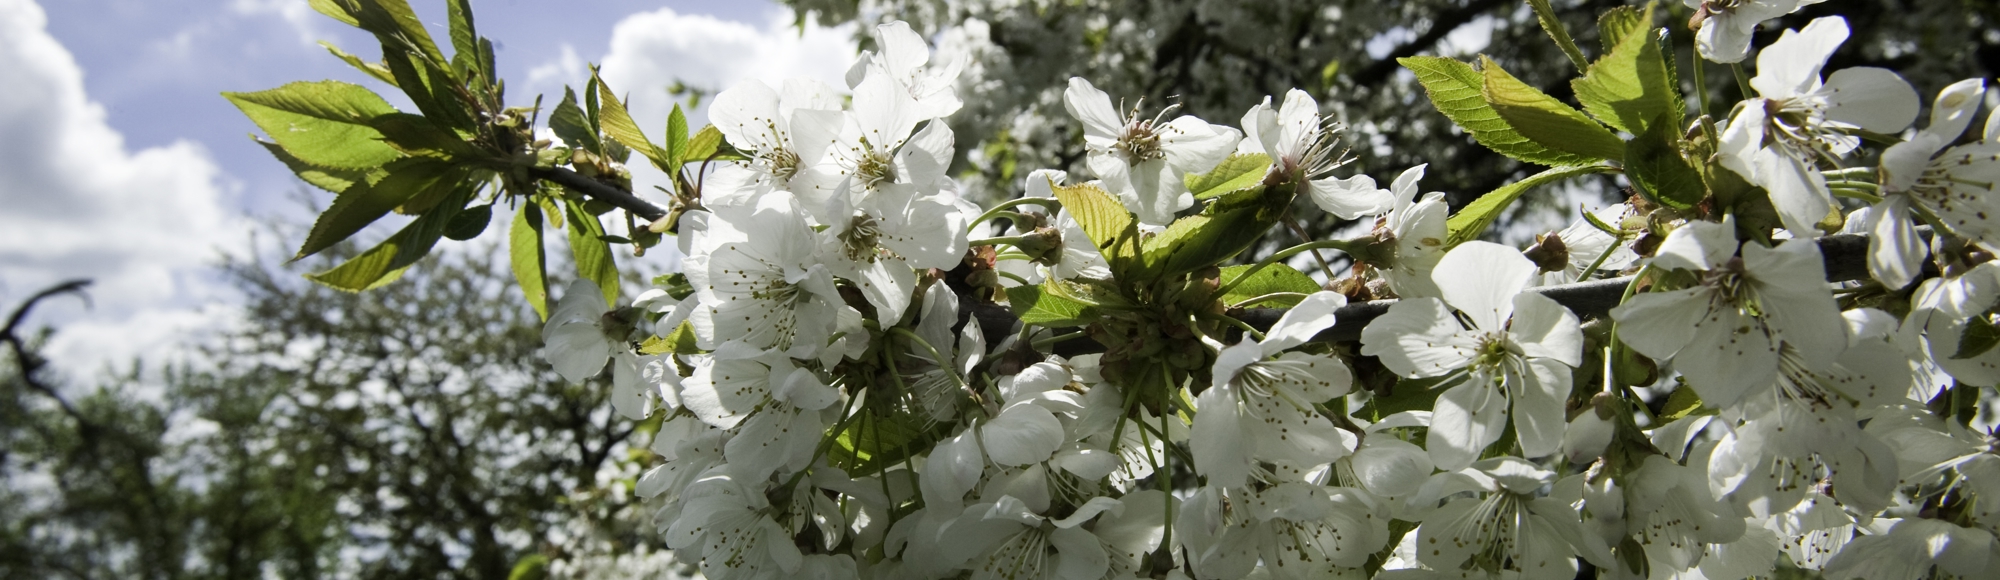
{"x": 624, "y": 200}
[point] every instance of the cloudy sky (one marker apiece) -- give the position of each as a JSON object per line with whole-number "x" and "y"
{"x": 123, "y": 165}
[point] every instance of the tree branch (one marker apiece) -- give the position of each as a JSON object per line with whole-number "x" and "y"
{"x": 624, "y": 200}
{"x": 31, "y": 362}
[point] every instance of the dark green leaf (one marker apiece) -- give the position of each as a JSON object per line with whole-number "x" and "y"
{"x": 1455, "y": 88}
{"x": 569, "y": 123}
{"x": 1979, "y": 336}
{"x": 333, "y": 9}
{"x": 364, "y": 202}
{"x": 323, "y": 123}
{"x": 592, "y": 253}
{"x": 1239, "y": 171}
{"x": 464, "y": 37}
{"x": 470, "y": 223}
{"x": 327, "y": 178}
{"x": 1654, "y": 163}
{"x": 1545, "y": 120}
{"x": 386, "y": 262}
{"x": 530, "y": 259}
{"x": 417, "y": 135}
{"x": 1473, "y": 219}
{"x": 1223, "y": 229}
{"x": 1270, "y": 280}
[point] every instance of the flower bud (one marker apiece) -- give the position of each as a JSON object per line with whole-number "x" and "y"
{"x": 1549, "y": 253}
{"x": 1590, "y": 432}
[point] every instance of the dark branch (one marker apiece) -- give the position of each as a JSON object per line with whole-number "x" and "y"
{"x": 31, "y": 362}
{"x": 1441, "y": 25}
{"x": 599, "y": 190}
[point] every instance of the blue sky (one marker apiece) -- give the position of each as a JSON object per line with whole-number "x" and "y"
{"x": 123, "y": 164}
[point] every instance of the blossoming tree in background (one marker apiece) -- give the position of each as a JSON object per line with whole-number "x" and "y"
{"x": 861, "y": 372}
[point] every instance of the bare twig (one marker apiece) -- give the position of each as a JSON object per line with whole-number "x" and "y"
{"x": 31, "y": 362}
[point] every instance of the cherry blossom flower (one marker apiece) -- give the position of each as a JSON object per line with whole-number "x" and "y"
{"x": 1516, "y": 353}
{"x": 1305, "y": 148}
{"x": 1922, "y": 175}
{"x": 1142, "y": 160}
{"x": 1725, "y": 25}
{"x": 1260, "y": 405}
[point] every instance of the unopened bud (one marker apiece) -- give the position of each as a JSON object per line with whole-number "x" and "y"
{"x": 1044, "y": 245}
{"x": 1549, "y": 253}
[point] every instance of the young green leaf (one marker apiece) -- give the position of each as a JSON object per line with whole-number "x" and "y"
{"x": 1223, "y": 229}
{"x": 703, "y": 145}
{"x": 1630, "y": 86}
{"x": 398, "y": 27}
{"x": 386, "y": 262}
{"x": 464, "y": 38}
{"x": 530, "y": 259}
{"x": 1455, "y": 89}
{"x": 1473, "y": 219}
{"x": 374, "y": 69}
{"x": 1106, "y": 221}
{"x": 1546, "y": 15}
{"x": 1047, "y": 306}
{"x": 1654, "y": 163}
{"x": 592, "y": 253}
{"x": 1617, "y": 23}
{"x": 1545, "y": 120}
{"x": 417, "y": 135}
{"x": 1681, "y": 403}
{"x": 1237, "y": 172}
{"x": 619, "y": 125}
{"x": 322, "y": 123}
{"x": 1270, "y": 280}
{"x": 333, "y": 9}
{"x": 677, "y": 139}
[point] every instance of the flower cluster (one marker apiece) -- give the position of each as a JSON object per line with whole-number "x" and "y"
{"x": 849, "y": 379}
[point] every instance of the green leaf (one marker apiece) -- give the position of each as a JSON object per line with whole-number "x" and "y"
{"x": 619, "y": 125}
{"x": 1546, "y": 15}
{"x": 873, "y": 442}
{"x": 1237, "y": 172}
{"x": 397, "y": 26}
{"x": 530, "y": 567}
{"x": 1630, "y": 87}
{"x": 1979, "y": 336}
{"x": 364, "y": 202}
{"x": 323, "y": 123}
{"x": 1052, "y": 304}
{"x": 680, "y": 341}
{"x": 470, "y": 223}
{"x": 1105, "y": 220}
{"x": 1654, "y": 163}
{"x": 1617, "y": 23}
{"x": 569, "y": 123}
{"x": 530, "y": 259}
{"x": 417, "y": 135}
{"x": 1270, "y": 280}
{"x": 1223, "y": 229}
{"x": 1473, "y": 219}
{"x": 676, "y": 285}
{"x": 464, "y": 37}
{"x": 677, "y": 139}
{"x": 592, "y": 253}
{"x": 1545, "y": 120}
{"x": 327, "y": 178}
{"x": 386, "y": 262}
{"x": 333, "y": 9}
{"x": 1455, "y": 88}
{"x": 1681, "y": 403}
{"x": 374, "y": 69}
{"x": 428, "y": 180}
{"x": 702, "y": 145}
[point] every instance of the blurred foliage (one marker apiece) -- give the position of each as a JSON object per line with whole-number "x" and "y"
{"x": 1217, "y": 58}
{"x": 408, "y": 432}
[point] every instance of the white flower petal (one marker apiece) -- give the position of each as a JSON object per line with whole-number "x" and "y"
{"x": 1698, "y": 245}
{"x": 1351, "y": 198}
{"x": 1791, "y": 65}
{"x": 1468, "y": 418}
{"x": 1302, "y": 322}
{"x": 1480, "y": 279}
{"x": 1895, "y": 251}
{"x": 1022, "y": 434}
{"x": 1872, "y": 98}
{"x": 1418, "y": 338}
{"x": 1545, "y": 329}
{"x": 1221, "y": 447}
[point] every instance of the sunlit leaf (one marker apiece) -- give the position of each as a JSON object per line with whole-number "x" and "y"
{"x": 1545, "y": 120}
{"x": 1455, "y": 88}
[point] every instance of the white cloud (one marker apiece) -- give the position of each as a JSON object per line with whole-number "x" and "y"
{"x": 297, "y": 13}
{"x": 144, "y": 224}
{"x": 650, "y": 51}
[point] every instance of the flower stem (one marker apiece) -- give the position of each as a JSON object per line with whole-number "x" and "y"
{"x": 1267, "y": 298}
{"x": 1047, "y": 202}
{"x": 1244, "y": 326}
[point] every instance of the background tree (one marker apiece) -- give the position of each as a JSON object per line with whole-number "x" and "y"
{"x": 1217, "y": 58}
{"x": 325, "y": 436}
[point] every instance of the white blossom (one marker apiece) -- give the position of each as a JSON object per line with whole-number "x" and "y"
{"x": 1144, "y": 160}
